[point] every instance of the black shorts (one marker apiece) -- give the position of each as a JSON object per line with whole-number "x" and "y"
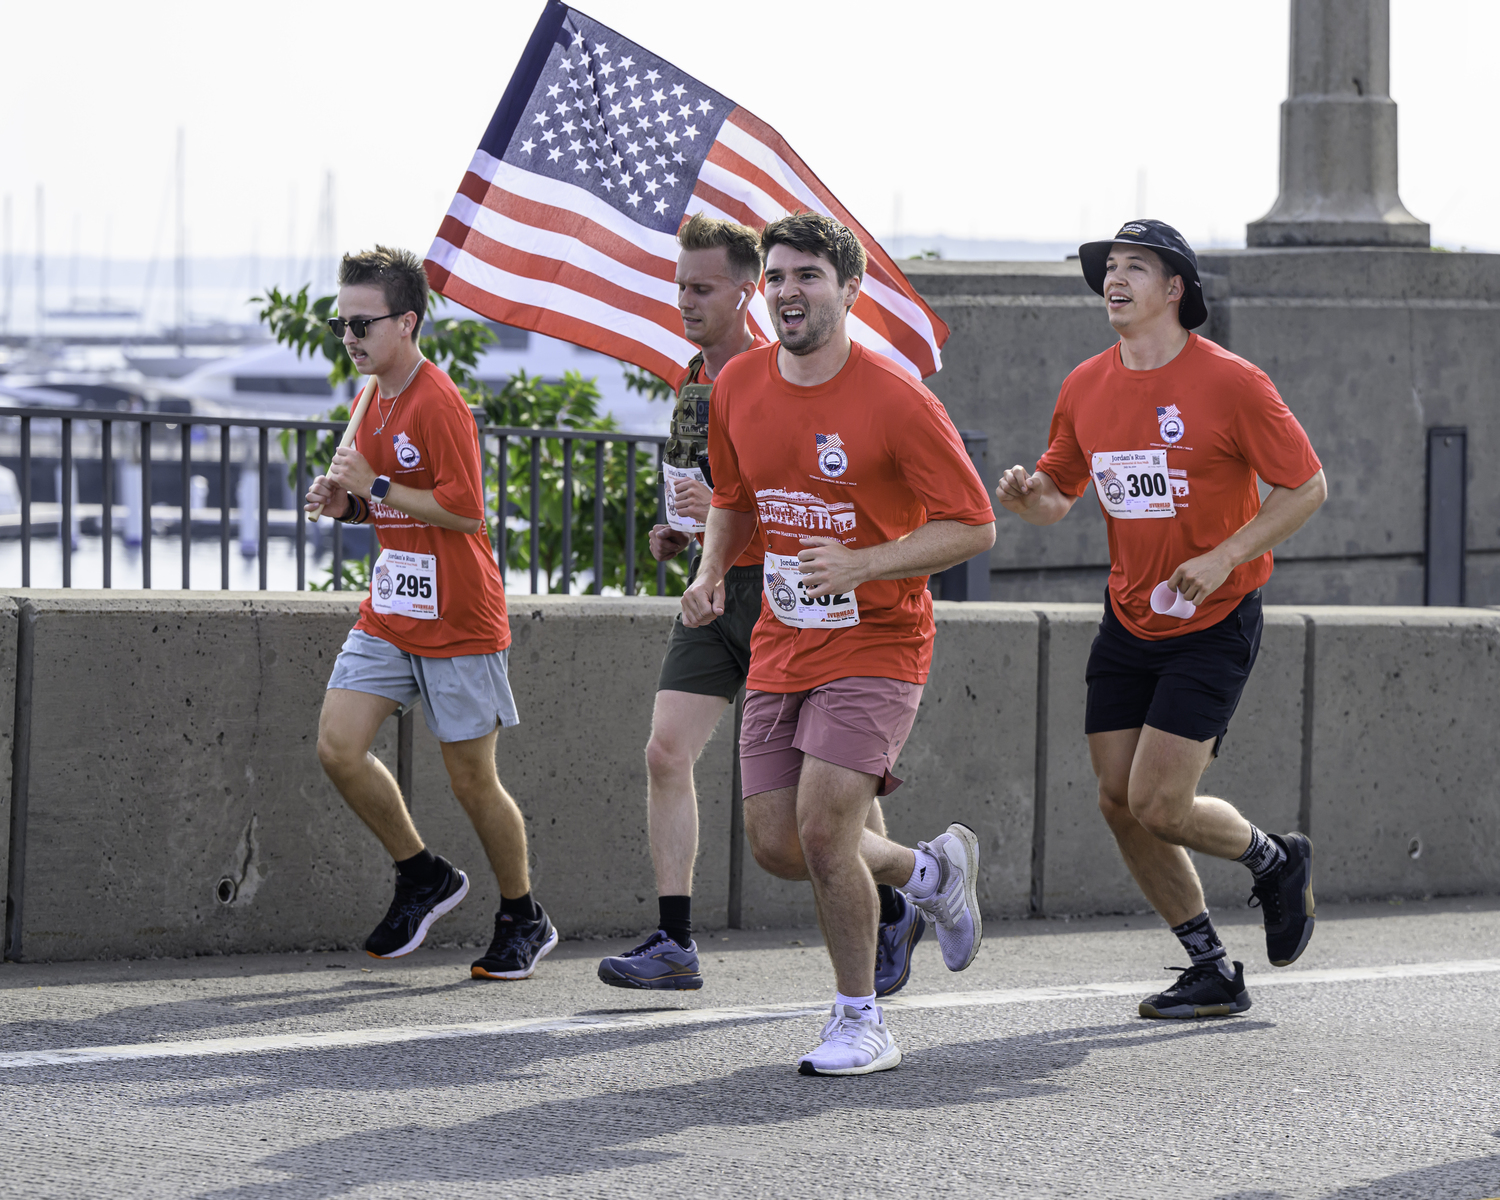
{"x": 1188, "y": 685}
{"x": 714, "y": 659}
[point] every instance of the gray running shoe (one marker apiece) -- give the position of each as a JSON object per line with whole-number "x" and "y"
{"x": 954, "y": 907}
{"x": 657, "y": 963}
{"x": 893, "y": 949}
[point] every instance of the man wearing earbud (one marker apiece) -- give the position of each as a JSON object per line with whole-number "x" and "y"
{"x": 1173, "y": 432}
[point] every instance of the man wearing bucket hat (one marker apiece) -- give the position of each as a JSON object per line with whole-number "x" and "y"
{"x": 1173, "y": 430}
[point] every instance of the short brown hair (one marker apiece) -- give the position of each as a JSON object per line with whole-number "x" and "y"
{"x": 813, "y": 233}
{"x": 399, "y": 275}
{"x": 741, "y": 243}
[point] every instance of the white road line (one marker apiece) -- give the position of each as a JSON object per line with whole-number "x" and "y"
{"x": 354, "y": 1038}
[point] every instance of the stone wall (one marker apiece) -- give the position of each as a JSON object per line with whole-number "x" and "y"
{"x": 173, "y": 749}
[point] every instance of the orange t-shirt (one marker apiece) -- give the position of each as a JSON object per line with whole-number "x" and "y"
{"x": 429, "y": 441}
{"x": 755, "y": 552}
{"x": 901, "y": 465}
{"x": 1221, "y": 423}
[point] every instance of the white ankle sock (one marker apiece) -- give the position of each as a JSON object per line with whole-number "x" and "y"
{"x": 924, "y": 876}
{"x": 858, "y": 1003}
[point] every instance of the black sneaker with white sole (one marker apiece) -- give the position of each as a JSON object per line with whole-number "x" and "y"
{"x": 1285, "y": 900}
{"x": 1200, "y": 991}
{"x": 414, "y": 909}
{"x": 517, "y": 948}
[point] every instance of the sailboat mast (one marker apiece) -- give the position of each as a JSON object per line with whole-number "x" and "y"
{"x": 181, "y": 264}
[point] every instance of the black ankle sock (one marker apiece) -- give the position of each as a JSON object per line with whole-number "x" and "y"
{"x": 890, "y": 907}
{"x": 677, "y": 918}
{"x": 1201, "y": 941}
{"x": 421, "y": 867}
{"x": 522, "y": 908}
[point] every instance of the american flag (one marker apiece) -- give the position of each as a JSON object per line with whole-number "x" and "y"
{"x": 829, "y": 441}
{"x": 566, "y": 219}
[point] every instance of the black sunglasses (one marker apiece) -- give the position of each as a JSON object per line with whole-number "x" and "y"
{"x": 360, "y": 325}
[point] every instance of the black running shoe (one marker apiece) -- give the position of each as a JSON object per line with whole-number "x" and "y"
{"x": 414, "y": 910}
{"x": 1286, "y": 901}
{"x": 1200, "y": 991}
{"x": 517, "y": 948}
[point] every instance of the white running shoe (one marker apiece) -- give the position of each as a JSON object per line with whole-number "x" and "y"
{"x": 954, "y": 907}
{"x": 855, "y": 1042}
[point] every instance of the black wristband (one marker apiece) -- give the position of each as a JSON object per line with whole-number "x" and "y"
{"x": 357, "y": 513}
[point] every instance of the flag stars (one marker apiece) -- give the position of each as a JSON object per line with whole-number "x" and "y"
{"x": 600, "y": 48}
{"x": 652, "y": 187}
{"x": 652, "y": 142}
{"x": 566, "y": 64}
{"x": 610, "y": 91}
{"x": 623, "y": 181}
{"x": 637, "y": 103}
{"x": 664, "y": 118}
{"x": 553, "y": 91}
{"x": 568, "y": 127}
{"x": 633, "y": 148}
{"x": 605, "y": 69}
{"x": 633, "y": 82}
{"x": 670, "y": 138}
{"x": 652, "y": 76}
{"x": 625, "y": 63}
{"x": 554, "y": 154}
{"x": 634, "y": 199}
{"x": 599, "y": 164}
{"x": 704, "y": 107}
{"x": 678, "y": 92}
{"x": 562, "y": 108}
{"x": 640, "y": 168}
{"x": 577, "y": 39}
{"x": 658, "y": 96}
{"x": 528, "y": 146}
{"x": 690, "y": 132}
{"x": 541, "y": 119}
{"x": 580, "y": 165}
{"x": 660, "y": 206}
{"x": 573, "y": 83}
{"x": 677, "y": 158}
{"x": 684, "y": 111}
{"x": 615, "y": 111}
{"x": 669, "y": 179}
{"x": 548, "y": 135}
{"x": 643, "y": 122}
{"x": 608, "y": 186}
{"x": 584, "y": 60}
{"x": 575, "y": 146}
{"x": 615, "y": 159}
{"x": 661, "y": 160}
{"x": 593, "y": 144}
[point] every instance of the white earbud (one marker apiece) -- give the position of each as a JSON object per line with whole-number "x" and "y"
{"x": 741, "y": 304}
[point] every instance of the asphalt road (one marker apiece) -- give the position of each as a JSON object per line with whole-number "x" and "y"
{"x": 1369, "y": 1070}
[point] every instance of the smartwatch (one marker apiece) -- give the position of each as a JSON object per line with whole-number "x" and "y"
{"x": 380, "y": 487}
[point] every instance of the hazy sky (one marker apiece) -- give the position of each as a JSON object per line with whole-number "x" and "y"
{"x": 994, "y": 119}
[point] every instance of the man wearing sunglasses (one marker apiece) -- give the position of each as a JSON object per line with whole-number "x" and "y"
{"x": 434, "y": 625}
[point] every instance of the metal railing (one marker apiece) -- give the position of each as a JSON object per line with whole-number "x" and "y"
{"x": 245, "y": 443}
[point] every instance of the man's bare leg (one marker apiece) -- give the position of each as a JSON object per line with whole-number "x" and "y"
{"x": 681, "y": 724}
{"x": 492, "y": 811}
{"x": 346, "y": 730}
{"x": 771, "y": 827}
{"x": 1147, "y": 786}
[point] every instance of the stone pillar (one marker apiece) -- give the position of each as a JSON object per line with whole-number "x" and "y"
{"x": 1338, "y": 135}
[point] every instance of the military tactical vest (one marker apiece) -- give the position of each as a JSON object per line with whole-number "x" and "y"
{"x": 688, "y": 444}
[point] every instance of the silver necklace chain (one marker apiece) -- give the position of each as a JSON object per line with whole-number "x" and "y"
{"x": 385, "y": 417}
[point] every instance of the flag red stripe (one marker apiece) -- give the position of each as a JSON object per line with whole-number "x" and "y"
{"x": 569, "y": 224}
{"x": 553, "y": 324}
{"x": 769, "y": 138}
{"x": 554, "y": 270}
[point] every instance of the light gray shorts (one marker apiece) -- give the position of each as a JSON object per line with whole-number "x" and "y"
{"x": 462, "y": 697}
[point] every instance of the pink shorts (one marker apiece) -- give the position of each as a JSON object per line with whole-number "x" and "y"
{"x": 860, "y": 723}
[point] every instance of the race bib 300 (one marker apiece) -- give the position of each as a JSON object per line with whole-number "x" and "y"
{"x": 1134, "y": 484}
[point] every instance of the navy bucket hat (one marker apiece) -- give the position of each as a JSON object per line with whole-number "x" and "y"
{"x": 1166, "y": 241}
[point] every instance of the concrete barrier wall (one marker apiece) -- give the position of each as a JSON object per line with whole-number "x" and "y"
{"x": 173, "y": 749}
